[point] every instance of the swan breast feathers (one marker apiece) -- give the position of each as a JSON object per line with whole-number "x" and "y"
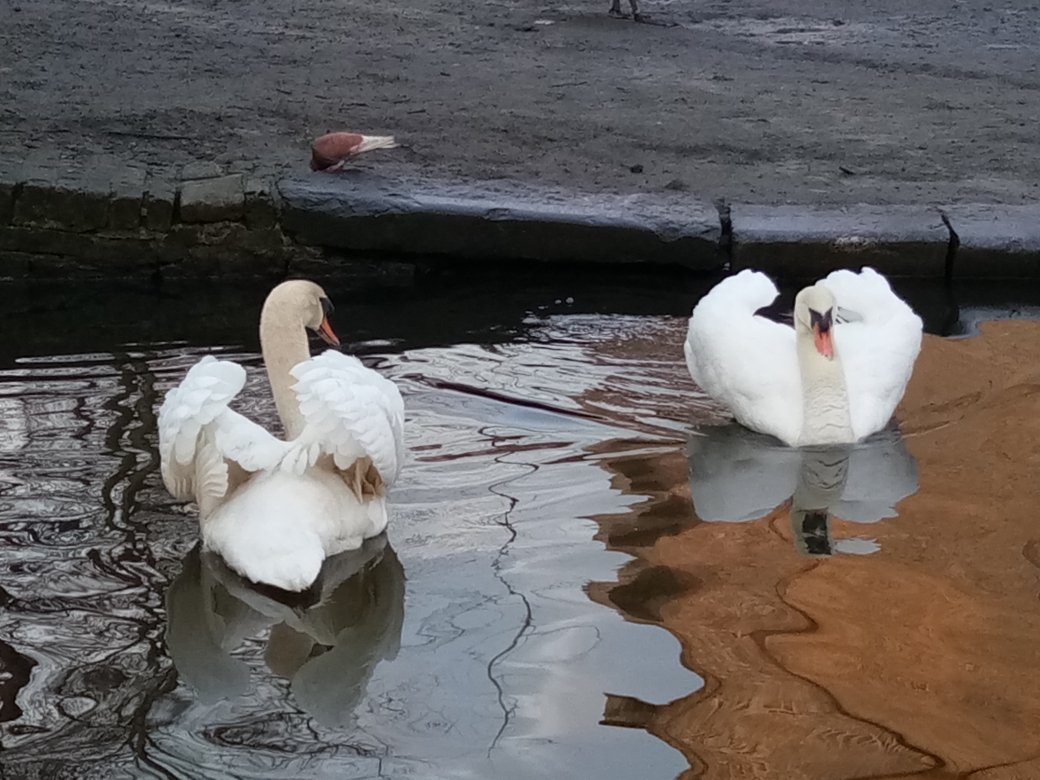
{"x": 350, "y": 412}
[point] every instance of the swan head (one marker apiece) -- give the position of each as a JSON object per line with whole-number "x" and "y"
{"x": 814, "y": 310}
{"x": 306, "y": 300}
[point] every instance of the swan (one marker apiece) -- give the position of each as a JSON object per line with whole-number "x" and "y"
{"x": 274, "y": 509}
{"x": 835, "y": 378}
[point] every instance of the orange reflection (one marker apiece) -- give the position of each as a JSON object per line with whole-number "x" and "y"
{"x": 917, "y": 661}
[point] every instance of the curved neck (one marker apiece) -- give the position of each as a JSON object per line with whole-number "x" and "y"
{"x": 283, "y": 342}
{"x": 825, "y": 398}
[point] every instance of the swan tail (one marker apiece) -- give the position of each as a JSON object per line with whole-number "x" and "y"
{"x": 288, "y": 563}
{"x": 363, "y": 479}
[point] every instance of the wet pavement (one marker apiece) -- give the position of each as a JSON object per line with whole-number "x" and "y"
{"x": 757, "y": 102}
{"x": 585, "y": 574}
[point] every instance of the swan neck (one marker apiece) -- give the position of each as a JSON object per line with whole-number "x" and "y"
{"x": 283, "y": 343}
{"x": 825, "y": 398}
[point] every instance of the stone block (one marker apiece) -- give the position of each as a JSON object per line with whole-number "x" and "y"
{"x": 223, "y": 248}
{"x": 102, "y": 252}
{"x": 10, "y": 183}
{"x": 179, "y": 263}
{"x": 159, "y": 203}
{"x": 127, "y": 197}
{"x": 810, "y": 241}
{"x": 996, "y": 241}
{"x": 261, "y": 206}
{"x": 268, "y": 241}
{"x": 212, "y": 200}
{"x": 487, "y": 221}
{"x": 7, "y": 193}
{"x": 102, "y": 193}
{"x": 57, "y": 199}
{"x": 245, "y": 263}
{"x": 14, "y": 265}
{"x": 201, "y": 169}
{"x": 205, "y": 234}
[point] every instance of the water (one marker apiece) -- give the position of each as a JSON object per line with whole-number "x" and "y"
{"x": 582, "y": 577}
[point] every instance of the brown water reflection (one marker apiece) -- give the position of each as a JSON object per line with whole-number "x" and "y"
{"x": 917, "y": 661}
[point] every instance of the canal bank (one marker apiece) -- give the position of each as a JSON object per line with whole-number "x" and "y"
{"x": 114, "y": 220}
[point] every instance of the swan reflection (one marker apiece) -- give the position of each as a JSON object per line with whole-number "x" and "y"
{"x": 328, "y": 647}
{"x": 737, "y": 475}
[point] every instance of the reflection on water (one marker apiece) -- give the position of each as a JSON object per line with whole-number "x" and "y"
{"x": 328, "y": 647}
{"x": 737, "y": 475}
{"x": 490, "y": 634}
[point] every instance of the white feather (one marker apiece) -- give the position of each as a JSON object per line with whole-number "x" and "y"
{"x": 350, "y": 411}
{"x": 878, "y": 350}
{"x": 195, "y": 415}
{"x": 746, "y": 362}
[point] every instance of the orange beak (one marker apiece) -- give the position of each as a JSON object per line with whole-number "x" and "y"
{"x": 824, "y": 340}
{"x": 327, "y": 334}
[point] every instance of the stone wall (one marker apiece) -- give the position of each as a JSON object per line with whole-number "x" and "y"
{"x": 107, "y": 219}
{"x": 118, "y": 220}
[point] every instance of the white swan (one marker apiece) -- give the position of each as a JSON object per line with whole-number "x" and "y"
{"x": 834, "y": 378}
{"x": 273, "y": 508}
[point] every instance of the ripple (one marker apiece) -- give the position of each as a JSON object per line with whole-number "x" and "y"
{"x": 455, "y": 670}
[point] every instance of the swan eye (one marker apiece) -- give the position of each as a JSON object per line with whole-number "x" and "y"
{"x": 326, "y": 306}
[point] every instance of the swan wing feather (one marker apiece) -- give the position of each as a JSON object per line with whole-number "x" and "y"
{"x": 250, "y": 445}
{"x": 746, "y": 362}
{"x": 877, "y": 349}
{"x": 350, "y": 411}
{"x": 198, "y": 433}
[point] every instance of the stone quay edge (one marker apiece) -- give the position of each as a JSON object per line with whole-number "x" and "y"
{"x": 115, "y": 220}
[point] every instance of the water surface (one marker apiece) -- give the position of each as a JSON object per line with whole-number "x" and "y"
{"x": 584, "y": 575}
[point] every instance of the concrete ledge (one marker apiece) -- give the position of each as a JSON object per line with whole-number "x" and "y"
{"x": 807, "y": 241}
{"x": 996, "y": 241}
{"x": 102, "y": 219}
{"x": 213, "y": 200}
{"x": 487, "y": 222}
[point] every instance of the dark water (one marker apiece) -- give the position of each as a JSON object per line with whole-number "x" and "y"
{"x": 502, "y": 628}
{"x": 462, "y": 644}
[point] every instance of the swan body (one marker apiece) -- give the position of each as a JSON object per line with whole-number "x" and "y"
{"x": 834, "y": 378}
{"x": 274, "y": 508}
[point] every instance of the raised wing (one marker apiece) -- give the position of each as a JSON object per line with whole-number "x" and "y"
{"x": 199, "y": 434}
{"x": 746, "y": 362}
{"x": 878, "y": 348}
{"x": 350, "y": 412}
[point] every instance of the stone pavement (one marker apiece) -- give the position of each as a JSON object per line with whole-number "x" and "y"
{"x": 155, "y": 136}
